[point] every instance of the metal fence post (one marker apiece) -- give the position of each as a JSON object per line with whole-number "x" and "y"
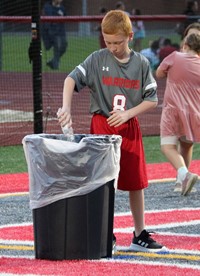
{"x": 35, "y": 55}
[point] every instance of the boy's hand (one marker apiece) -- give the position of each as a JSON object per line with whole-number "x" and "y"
{"x": 118, "y": 118}
{"x": 64, "y": 118}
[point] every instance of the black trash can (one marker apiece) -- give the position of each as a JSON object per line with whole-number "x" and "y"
{"x": 76, "y": 228}
{"x": 72, "y": 194}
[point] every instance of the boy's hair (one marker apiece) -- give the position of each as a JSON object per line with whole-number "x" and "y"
{"x": 193, "y": 41}
{"x": 116, "y": 22}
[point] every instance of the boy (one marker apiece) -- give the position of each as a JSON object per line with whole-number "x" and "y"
{"x": 122, "y": 87}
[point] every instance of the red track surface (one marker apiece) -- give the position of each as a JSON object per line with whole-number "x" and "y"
{"x": 16, "y": 94}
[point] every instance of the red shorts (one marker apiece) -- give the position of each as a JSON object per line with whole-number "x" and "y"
{"x": 133, "y": 173}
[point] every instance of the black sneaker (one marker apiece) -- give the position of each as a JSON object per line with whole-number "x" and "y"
{"x": 144, "y": 243}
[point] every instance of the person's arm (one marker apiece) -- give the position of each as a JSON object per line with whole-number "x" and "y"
{"x": 142, "y": 108}
{"x": 161, "y": 73}
{"x": 165, "y": 65}
{"x": 119, "y": 117}
{"x": 64, "y": 114}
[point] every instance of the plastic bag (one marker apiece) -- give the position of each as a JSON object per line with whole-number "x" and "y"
{"x": 59, "y": 168}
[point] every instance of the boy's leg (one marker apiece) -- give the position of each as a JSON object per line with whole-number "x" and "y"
{"x": 136, "y": 199}
{"x": 142, "y": 241}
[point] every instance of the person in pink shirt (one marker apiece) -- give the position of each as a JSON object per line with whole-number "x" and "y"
{"x": 180, "y": 119}
{"x": 193, "y": 28}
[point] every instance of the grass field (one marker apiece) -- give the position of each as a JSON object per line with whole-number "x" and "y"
{"x": 15, "y": 51}
{"x": 12, "y": 159}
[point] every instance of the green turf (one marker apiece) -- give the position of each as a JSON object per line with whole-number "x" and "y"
{"x": 153, "y": 153}
{"x": 12, "y": 158}
{"x": 15, "y": 51}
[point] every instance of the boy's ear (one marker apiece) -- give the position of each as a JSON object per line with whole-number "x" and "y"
{"x": 131, "y": 35}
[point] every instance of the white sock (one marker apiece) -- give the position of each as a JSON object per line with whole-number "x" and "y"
{"x": 181, "y": 174}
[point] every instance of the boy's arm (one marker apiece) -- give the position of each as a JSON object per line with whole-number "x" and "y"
{"x": 142, "y": 108}
{"x": 119, "y": 117}
{"x": 64, "y": 115}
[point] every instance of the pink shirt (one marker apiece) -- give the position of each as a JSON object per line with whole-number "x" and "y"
{"x": 181, "y": 106}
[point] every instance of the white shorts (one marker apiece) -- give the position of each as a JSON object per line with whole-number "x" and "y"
{"x": 173, "y": 140}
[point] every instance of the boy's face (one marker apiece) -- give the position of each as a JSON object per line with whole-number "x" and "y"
{"x": 118, "y": 44}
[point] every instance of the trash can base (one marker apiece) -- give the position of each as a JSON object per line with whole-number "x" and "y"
{"x": 79, "y": 227}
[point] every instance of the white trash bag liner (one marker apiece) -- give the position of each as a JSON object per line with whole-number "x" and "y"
{"x": 59, "y": 168}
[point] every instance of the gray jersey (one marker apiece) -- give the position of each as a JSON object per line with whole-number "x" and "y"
{"x": 115, "y": 85}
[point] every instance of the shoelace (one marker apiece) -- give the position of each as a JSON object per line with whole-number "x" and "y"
{"x": 149, "y": 235}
